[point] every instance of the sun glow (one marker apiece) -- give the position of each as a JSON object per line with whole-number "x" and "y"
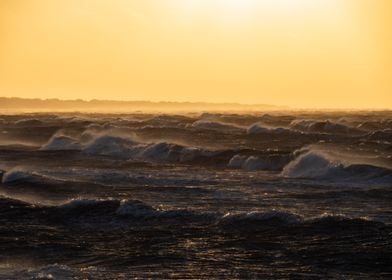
{"x": 234, "y": 13}
{"x": 240, "y": 4}
{"x": 327, "y": 53}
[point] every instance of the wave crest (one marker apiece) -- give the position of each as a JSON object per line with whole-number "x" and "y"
{"x": 253, "y": 163}
{"x": 61, "y": 142}
{"x": 216, "y": 125}
{"x": 108, "y": 145}
{"x": 258, "y": 128}
{"x": 316, "y": 164}
{"x": 256, "y": 217}
{"x": 329, "y": 127}
{"x": 17, "y": 175}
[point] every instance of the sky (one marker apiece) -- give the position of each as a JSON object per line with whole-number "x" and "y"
{"x": 298, "y": 53}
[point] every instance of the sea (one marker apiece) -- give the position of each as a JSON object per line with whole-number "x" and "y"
{"x": 270, "y": 195}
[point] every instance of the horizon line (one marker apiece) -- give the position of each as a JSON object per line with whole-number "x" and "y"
{"x": 283, "y": 107}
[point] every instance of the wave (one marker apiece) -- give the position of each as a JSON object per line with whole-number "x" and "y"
{"x": 42, "y": 186}
{"x": 137, "y": 209}
{"x": 253, "y": 163}
{"x": 61, "y": 142}
{"x": 173, "y": 152}
{"x": 329, "y": 127}
{"x": 264, "y": 218}
{"x": 125, "y": 145}
{"x": 129, "y": 149}
{"x": 28, "y": 122}
{"x": 105, "y": 214}
{"x": 333, "y": 221}
{"x": 217, "y": 125}
{"x": 121, "y": 208}
{"x": 17, "y": 175}
{"x": 124, "y": 209}
{"x": 374, "y": 125}
{"x": 250, "y": 221}
{"x": 108, "y": 145}
{"x": 383, "y": 135}
{"x": 318, "y": 164}
{"x": 258, "y": 128}
{"x": 111, "y": 214}
{"x": 20, "y": 174}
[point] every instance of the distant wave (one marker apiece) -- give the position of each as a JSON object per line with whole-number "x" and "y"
{"x": 109, "y": 145}
{"x": 258, "y": 128}
{"x": 61, "y": 142}
{"x": 375, "y": 125}
{"x": 124, "y": 146}
{"x": 172, "y": 152}
{"x": 129, "y": 149}
{"x": 384, "y": 135}
{"x": 313, "y": 126}
{"x": 28, "y": 122}
{"x": 299, "y": 126}
{"x": 273, "y": 162}
{"x": 217, "y": 125}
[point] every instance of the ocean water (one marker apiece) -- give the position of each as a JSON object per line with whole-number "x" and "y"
{"x": 196, "y": 196}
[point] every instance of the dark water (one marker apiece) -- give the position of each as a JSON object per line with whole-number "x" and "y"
{"x": 212, "y": 196}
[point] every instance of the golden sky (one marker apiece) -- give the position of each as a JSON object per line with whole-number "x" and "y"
{"x": 300, "y": 53}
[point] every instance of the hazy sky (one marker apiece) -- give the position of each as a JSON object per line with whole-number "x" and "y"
{"x": 303, "y": 53}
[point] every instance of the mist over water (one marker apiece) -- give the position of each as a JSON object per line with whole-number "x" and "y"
{"x": 117, "y": 196}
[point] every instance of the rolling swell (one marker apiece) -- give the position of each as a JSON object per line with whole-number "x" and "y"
{"x": 21, "y": 182}
{"x": 106, "y": 214}
{"x": 107, "y": 234}
{"x": 21, "y": 175}
{"x": 109, "y": 214}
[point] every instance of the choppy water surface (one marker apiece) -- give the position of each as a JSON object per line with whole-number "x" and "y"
{"x": 270, "y": 196}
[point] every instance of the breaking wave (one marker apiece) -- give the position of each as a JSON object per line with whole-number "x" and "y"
{"x": 318, "y": 164}
{"x": 61, "y": 142}
{"x": 123, "y": 146}
{"x": 108, "y": 145}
